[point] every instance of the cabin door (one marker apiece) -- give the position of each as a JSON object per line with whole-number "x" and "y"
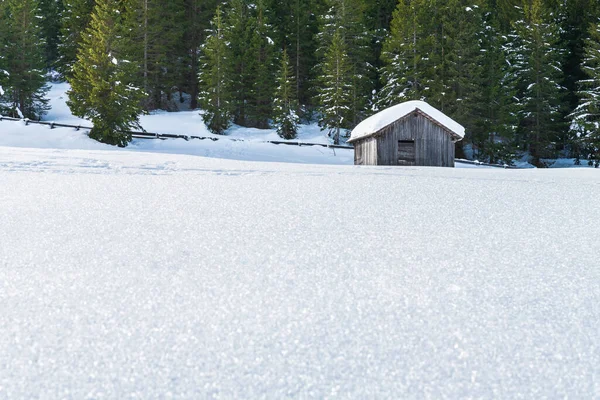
{"x": 406, "y": 152}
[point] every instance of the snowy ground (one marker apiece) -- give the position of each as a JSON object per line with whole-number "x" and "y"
{"x": 252, "y": 148}
{"x": 140, "y": 275}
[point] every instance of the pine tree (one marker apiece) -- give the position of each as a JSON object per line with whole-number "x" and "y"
{"x": 22, "y": 62}
{"x": 215, "y": 78}
{"x": 494, "y": 131}
{"x": 462, "y": 60}
{"x": 76, "y": 17}
{"x": 537, "y": 60}
{"x": 586, "y": 117}
{"x": 348, "y": 19}
{"x": 260, "y": 68}
{"x": 235, "y": 24}
{"x": 155, "y": 35}
{"x": 198, "y": 17}
{"x": 296, "y": 26}
{"x": 50, "y": 11}
{"x": 335, "y": 95}
{"x": 575, "y": 19}
{"x": 101, "y": 85}
{"x": 404, "y": 56}
{"x": 285, "y": 118}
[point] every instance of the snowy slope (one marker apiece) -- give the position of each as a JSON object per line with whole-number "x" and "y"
{"x": 183, "y": 122}
{"x": 249, "y": 144}
{"x": 138, "y": 275}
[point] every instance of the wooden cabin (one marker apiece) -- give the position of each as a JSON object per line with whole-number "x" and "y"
{"x": 410, "y": 134}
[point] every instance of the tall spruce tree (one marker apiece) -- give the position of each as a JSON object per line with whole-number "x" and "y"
{"x": 296, "y": 26}
{"x": 22, "y": 62}
{"x": 237, "y": 16}
{"x": 284, "y": 108}
{"x": 51, "y": 11}
{"x": 102, "y": 85}
{"x": 493, "y": 136}
{"x": 76, "y": 15}
{"x": 586, "y": 117}
{"x": 335, "y": 97}
{"x": 405, "y": 56}
{"x": 463, "y": 61}
{"x": 198, "y": 17}
{"x": 537, "y": 59}
{"x": 348, "y": 19}
{"x": 215, "y": 78}
{"x": 260, "y": 65}
{"x": 155, "y": 32}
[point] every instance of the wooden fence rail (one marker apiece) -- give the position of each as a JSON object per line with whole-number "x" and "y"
{"x": 164, "y": 136}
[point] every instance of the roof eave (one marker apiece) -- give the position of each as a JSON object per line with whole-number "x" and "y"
{"x": 455, "y": 136}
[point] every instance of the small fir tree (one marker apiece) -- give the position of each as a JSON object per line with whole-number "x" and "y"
{"x": 215, "y": 78}
{"x": 335, "y": 91}
{"x": 285, "y": 118}
{"x": 101, "y": 85}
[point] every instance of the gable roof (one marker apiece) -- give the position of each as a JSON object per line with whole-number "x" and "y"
{"x": 384, "y": 118}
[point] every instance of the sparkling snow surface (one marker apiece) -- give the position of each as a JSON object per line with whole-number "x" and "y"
{"x": 385, "y": 117}
{"x": 138, "y": 275}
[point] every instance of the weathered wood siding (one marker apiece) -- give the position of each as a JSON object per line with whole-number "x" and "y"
{"x": 365, "y": 152}
{"x": 433, "y": 145}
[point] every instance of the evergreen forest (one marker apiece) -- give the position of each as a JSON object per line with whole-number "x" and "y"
{"x": 522, "y": 76}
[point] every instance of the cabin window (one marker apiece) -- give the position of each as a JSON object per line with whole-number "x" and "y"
{"x": 406, "y": 152}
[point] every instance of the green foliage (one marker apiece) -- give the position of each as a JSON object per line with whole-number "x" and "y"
{"x": 196, "y": 22}
{"x": 335, "y": 97}
{"x": 295, "y": 27}
{"x": 284, "y": 106}
{"x": 537, "y": 58}
{"x": 76, "y": 16}
{"x": 50, "y": 11}
{"x": 493, "y": 135}
{"x": 215, "y": 78}
{"x": 22, "y": 62}
{"x": 348, "y": 19}
{"x": 586, "y": 117}
{"x": 260, "y": 67}
{"x": 236, "y": 21}
{"x": 154, "y": 34}
{"x": 405, "y": 56}
{"x": 102, "y": 85}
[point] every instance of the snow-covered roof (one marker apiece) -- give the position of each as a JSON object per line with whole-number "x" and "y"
{"x": 377, "y": 122}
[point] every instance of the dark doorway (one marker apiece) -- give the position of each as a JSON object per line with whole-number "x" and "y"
{"x": 406, "y": 152}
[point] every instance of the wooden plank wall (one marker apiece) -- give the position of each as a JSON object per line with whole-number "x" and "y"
{"x": 365, "y": 152}
{"x": 433, "y": 145}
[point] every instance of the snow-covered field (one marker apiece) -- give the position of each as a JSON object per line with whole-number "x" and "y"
{"x": 151, "y": 272}
{"x": 140, "y": 275}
